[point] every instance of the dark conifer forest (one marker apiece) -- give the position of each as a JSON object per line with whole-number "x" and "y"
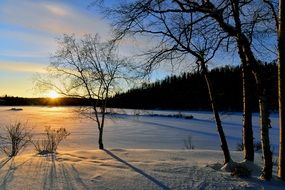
{"x": 188, "y": 91}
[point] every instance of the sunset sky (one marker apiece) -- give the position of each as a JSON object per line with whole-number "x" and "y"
{"x": 28, "y": 33}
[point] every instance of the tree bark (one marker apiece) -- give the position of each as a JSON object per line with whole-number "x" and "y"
{"x": 248, "y": 148}
{"x": 265, "y": 143}
{"x": 263, "y": 107}
{"x": 245, "y": 47}
{"x": 241, "y": 39}
{"x": 224, "y": 144}
{"x": 281, "y": 89}
{"x": 254, "y": 67}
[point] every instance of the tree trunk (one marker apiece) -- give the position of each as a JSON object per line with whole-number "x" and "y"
{"x": 281, "y": 89}
{"x": 100, "y": 141}
{"x": 13, "y": 151}
{"x": 248, "y": 56}
{"x": 248, "y": 148}
{"x": 254, "y": 66}
{"x": 224, "y": 144}
{"x": 265, "y": 143}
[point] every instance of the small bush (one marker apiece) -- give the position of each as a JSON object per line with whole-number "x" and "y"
{"x": 16, "y": 137}
{"x": 51, "y": 140}
{"x": 188, "y": 143}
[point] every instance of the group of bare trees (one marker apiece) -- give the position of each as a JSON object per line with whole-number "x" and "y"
{"x": 185, "y": 29}
{"x": 182, "y": 31}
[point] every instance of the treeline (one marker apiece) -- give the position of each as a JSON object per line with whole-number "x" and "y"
{"x": 189, "y": 91}
{"x": 19, "y": 101}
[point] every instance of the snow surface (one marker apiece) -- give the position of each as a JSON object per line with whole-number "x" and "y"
{"x": 124, "y": 169}
{"x": 128, "y": 130}
{"x": 142, "y": 152}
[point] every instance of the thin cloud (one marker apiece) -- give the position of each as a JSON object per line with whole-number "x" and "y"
{"x": 51, "y": 17}
{"x": 22, "y": 67}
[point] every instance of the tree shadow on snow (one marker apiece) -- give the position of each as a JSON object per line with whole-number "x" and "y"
{"x": 58, "y": 175}
{"x": 193, "y": 131}
{"x": 11, "y": 169}
{"x": 9, "y": 174}
{"x": 149, "y": 177}
{"x": 4, "y": 162}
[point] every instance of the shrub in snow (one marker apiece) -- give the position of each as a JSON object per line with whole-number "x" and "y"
{"x": 256, "y": 146}
{"x": 50, "y": 141}
{"x": 16, "y": 136}
{"x": 188, "y": 143}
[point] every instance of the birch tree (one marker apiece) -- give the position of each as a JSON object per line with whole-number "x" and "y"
{"x": 177, "y": 36}
{"x": 281, "y": 88}
{"x": 234, "y": 19}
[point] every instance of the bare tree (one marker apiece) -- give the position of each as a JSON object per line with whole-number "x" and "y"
{"x": 16, "y": 136}
{"x": 233, "y": 18}
{"x": 89, "y": 69}
{"x": 179, "y": 36}
{"x": 281, "y": 88}
{"x": 49, "y": 143}
{"x": 248, "y": 59}
{"x": 279, "y": 23}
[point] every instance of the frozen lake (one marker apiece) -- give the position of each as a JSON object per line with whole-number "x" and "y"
{"x": 137, "y": 129}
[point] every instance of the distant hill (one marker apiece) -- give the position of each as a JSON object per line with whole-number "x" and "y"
{"x": 18, "y": 101}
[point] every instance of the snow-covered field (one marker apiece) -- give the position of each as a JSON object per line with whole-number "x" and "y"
{"x": 128, "y": 131}
{"x": 143, "y": 152}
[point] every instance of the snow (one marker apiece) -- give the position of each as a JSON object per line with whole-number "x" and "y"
{"x": 128, "y": 131}
{"x": 142, "y": 152}
{"x": 124, "y": 169}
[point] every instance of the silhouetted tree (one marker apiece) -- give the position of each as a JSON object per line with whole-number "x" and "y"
{"x": 229, "y": 15}
{"x": 89, "y": 69}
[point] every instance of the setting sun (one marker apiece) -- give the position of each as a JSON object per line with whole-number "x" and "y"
{"x": 52, "y": 94}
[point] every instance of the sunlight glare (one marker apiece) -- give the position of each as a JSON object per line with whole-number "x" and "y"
{"x": 53, "y": 94}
